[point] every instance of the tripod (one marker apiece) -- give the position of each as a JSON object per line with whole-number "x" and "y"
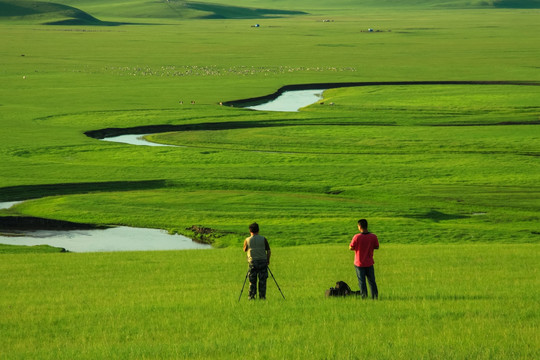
{"x": 247, "y": 273}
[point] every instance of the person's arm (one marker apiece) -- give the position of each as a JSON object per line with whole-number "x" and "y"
{"x": 268, "y": 251}
{"x": 245, "y": 245}
{"x": 352, "y": 245}
{"x": 376, "y": 243}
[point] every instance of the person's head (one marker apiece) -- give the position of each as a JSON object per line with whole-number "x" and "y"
{"x": 254, "y": 228}
{"x": 362, "y": 224}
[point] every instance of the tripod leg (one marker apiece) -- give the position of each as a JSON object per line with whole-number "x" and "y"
{"x": 243, "y": 285}
{"x": 276, "y": 283}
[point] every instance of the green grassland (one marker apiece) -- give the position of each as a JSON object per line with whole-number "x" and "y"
{"x": 436, "y": 302}
{"x": 391, "y": 153}
{"x": 309, "y": 175}
{"x": 447, "y": 175}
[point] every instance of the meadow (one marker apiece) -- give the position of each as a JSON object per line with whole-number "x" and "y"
{"x": 447, "y": 175}
{"x": 308, "y": 176}
{"x": 436, "y": 302}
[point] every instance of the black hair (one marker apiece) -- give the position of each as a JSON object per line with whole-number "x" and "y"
{"x": 363, "y": 223}
{"x": 254, "y": 228}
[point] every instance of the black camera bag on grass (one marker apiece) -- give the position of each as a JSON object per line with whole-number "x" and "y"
{"x": 341, "y": 289}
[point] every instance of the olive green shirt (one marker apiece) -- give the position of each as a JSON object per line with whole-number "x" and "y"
{"x": 257, "y": 245}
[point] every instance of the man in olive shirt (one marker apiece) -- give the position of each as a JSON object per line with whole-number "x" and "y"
{"x": 258, "y": 255}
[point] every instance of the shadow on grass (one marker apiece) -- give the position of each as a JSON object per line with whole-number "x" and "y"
{"x": 226, "y": 125}
{"x": 516, "y": 4}
{"x": 25, "y": 192}
{"x": 73, "y": 16}
{"x": 437, "y": 216}
{"x": 10, "y": 223}
{"x": 236, "y": 12}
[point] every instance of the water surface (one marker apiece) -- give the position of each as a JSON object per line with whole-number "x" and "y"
{"x": 8, "y": 204}
{"x": 120, "y": 238}
{"x": 133, "y": 140}
{"x": 290, "y": 101}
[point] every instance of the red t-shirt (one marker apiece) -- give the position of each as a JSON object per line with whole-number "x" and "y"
{"x": 363, "y": 246}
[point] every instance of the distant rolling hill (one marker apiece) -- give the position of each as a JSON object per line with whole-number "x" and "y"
{"x": 47, "y": 13}
{"x": 519, "y": 4}
{"x": 61, "y": 12}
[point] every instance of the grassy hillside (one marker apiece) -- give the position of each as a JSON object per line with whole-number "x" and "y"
{"x": 448, "y": 161}
{"x": 47, "y": 13}
{"x": 71, "y": 13}
{"x": 78, "y": 12}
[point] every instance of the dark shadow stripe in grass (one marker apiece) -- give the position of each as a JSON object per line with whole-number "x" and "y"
{"x": 437, "y": 216}
{"x": 152, "y": 129}
{"x": 216, "y": 11}
{"x": 514, "y": 4}
{"x": 25, "y": 192}
{"x": 226, "y": 125}
{"x": 36, "y": 223}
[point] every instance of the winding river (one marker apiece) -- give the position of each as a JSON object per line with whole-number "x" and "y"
{"x": 290, "y": 98}
{"x": 288, "y": 101}
{"x": 124, "y": 238}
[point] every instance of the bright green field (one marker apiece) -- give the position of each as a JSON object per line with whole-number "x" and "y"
{"x": 448, "y": 176}
{"x": 377, "y": 153}
{"x": 436, "y": 302}
{"x": 310, "y": 176}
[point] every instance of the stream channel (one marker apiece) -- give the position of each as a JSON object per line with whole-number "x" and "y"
{"x": 289, "y": 101}
{"x": 124, "y": 238}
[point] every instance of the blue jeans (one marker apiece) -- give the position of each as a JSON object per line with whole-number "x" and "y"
{"x": 367, "y": 272}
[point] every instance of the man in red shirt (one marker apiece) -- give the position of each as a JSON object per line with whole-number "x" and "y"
{"x": 363, "y": 245}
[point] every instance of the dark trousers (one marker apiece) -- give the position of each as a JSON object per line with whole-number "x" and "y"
{"x": 258, "y": 270}
{"x": 368, "y": 273}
